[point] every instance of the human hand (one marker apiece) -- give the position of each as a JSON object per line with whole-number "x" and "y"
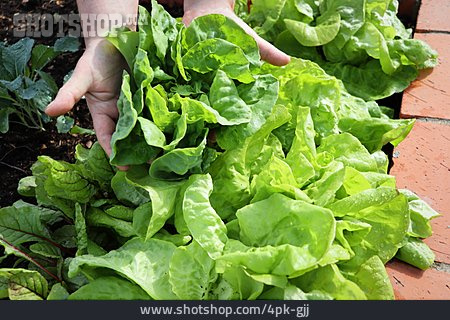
{"x": 97, "y": 76}
{"x": 197, "y": 8}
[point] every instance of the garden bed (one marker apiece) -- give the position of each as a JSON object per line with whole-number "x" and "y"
{"x": 20, "y": 147}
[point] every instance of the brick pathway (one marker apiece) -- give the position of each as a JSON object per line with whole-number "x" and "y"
{"x": 423, "y": 159}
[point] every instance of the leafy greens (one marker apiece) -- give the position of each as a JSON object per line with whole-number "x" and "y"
{"x": 247, "y": 181}
{"x": 361, "y": 42}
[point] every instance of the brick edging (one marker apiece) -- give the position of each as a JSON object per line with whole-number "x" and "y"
{"x": 423, "y": 159}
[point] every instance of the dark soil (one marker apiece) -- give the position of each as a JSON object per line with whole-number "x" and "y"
{"x": 20, "y": 147}
{"x": 10, "y": 7}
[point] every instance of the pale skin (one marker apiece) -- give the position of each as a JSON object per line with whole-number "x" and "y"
{"x": 98, "y": 73}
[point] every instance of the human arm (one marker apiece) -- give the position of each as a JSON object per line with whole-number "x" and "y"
{"x": 98, "y": 73}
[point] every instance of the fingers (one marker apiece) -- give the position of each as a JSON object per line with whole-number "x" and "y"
{"x": 72, "y": 91}
{"x": 269, "y": 52}
{"x": 104, "y": 115}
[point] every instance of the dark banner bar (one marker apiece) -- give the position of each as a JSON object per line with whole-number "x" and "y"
{"x": 83, "y": 310}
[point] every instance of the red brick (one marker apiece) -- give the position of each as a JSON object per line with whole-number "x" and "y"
{"x": 433, "y": 16}
{"x": 413, "y": 284}
{"x": 423, "y": 166}
{"x": 429, "y": 95}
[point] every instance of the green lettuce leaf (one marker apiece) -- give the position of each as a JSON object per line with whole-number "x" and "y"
{"x": 191, "y": 272}
{"x": 308, "y": 36}
{"x": 331, "y": 281}
{"x": 146, "y": 263}
{"x": 201, "y": 219}
{"x": 416, "y": 253}
{"x": 109, "y": 288}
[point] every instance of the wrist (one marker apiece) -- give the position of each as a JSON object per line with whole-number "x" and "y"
{"x": 98, "y": 18}
{"x": 92, "y": 42}
{"x": 96, "y": 45}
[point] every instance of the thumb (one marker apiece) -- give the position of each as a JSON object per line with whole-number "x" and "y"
{"x": 271, "y": 54}
{"x": 74, "y": 89}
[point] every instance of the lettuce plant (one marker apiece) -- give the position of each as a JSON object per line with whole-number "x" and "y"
{"x": 361, "y": 42}
{"x": 246, "y": 181}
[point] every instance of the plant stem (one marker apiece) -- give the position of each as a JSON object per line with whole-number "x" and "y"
{"x": 28, "y": 257}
